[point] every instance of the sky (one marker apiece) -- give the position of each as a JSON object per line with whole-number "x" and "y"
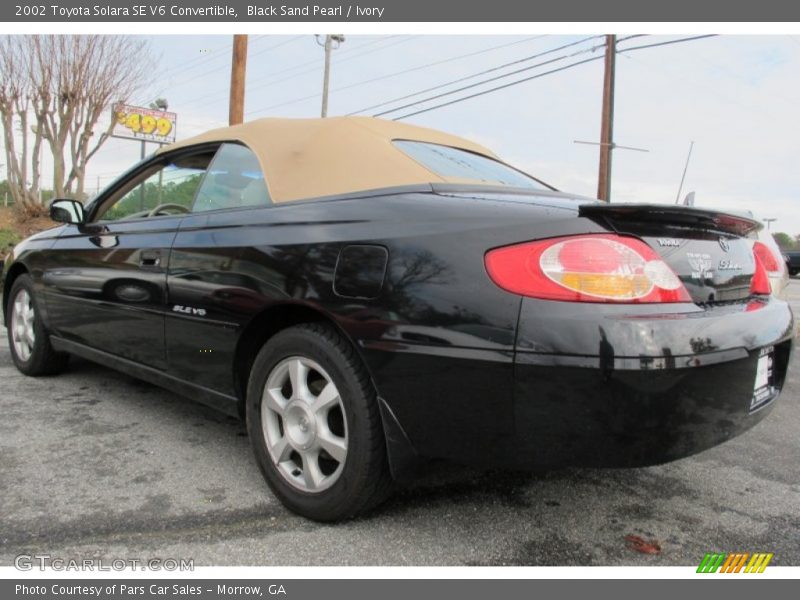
{"x": 735, "y": 97}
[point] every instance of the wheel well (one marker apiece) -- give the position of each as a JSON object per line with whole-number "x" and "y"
{"x": 403, "y": 458}
{"x": 15, "y": 271}
{"x": 260, "y": 330}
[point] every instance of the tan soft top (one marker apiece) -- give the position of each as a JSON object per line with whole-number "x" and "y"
{"x": 307, "y": 158}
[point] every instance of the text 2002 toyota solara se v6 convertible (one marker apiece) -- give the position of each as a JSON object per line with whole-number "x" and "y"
{"x": 368, "y": 294}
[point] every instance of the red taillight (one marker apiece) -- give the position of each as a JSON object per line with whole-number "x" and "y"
{"x": 768, "y": 258}
{"x": 760, "y": 285}
{"x": 587, "y": 268}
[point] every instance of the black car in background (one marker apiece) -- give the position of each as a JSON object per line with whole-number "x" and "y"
{"x": 793, "y": 263}
{"x": 369, "y": 295}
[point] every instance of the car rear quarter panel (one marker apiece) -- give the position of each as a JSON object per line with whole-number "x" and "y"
{"x": 438, "y": 339}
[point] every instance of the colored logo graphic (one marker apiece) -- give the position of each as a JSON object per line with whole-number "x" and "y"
{"x": 735, "y": 562}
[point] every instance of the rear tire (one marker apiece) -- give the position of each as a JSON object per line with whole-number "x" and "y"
{"x": 309, "y": 393}
{"x": 27, "y": 338}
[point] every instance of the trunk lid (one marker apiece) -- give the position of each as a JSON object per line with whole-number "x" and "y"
{"x": 705, "y": 248}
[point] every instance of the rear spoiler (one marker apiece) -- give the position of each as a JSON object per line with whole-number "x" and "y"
{"x": 686, "y": 216}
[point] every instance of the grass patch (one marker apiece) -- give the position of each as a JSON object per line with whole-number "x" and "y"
{"x": 8, "y": 237}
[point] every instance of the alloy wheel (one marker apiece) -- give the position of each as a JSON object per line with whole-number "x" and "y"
{"x": 304, "y": 424}
{"x": 22, "y": 325}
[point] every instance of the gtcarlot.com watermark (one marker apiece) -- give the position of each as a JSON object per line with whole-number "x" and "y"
{"x": 29, "y": 562}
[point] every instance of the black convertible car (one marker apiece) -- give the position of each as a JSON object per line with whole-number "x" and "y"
{"x": 369, "y": 295}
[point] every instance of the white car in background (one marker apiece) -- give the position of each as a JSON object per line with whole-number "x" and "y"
{"x": 765, "y": 247}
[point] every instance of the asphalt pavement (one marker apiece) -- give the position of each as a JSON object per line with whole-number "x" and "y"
{"x": 97, "y": 464}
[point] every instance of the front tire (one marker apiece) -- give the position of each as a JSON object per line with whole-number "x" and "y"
{"x": 27, "y": 338}
{"x": 314, "y": 424}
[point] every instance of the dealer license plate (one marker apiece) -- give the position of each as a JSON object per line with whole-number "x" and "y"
{"x": 763, "y": 391}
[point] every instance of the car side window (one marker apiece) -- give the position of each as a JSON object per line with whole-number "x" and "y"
{"x": 164, "y": 189}
{"x": 234, "y": 180}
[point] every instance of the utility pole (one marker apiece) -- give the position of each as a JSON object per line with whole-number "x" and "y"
{"x": 328, "y": 44}
{"x": 238, "y": 69}
{"x": 607, "y": 123}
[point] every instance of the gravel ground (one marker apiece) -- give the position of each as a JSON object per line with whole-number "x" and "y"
{"x": 95, "y": 463}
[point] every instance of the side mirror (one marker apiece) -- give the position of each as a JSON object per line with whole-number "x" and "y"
{"x": 67, "y": 211}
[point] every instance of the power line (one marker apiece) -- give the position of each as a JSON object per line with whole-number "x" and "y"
{"x": 500, "y": 87}
{"x": 227, "y": 65}
{"x": 496, "y": 78}
{"x": 193, "y": 63}
{"x": 668, "y": 42}
{"x": 399, "y": 73}
{"x": 537, "y": 76}
{"x": 316, "y": 65}
{"x": 435, "y": 63}
{"x": 454, "y": 81}
{"x": 196, "y": 62}
{"x": 315, "y": 62}
{"x": 666, "y": 69}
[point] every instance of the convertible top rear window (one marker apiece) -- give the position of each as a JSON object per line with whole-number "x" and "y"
{"x": 455, "y": 163}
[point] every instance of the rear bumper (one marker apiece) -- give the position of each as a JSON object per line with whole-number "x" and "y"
{"x": 639, "y": 387}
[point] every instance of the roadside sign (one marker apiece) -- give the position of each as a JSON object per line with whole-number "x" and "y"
{"x": 144, "y": 124}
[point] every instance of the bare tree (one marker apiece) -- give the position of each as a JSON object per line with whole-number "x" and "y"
{"x": 53, "y": 92}
{"x": 15, "y": 101}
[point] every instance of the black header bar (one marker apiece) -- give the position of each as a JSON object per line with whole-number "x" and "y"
{"x": 392, "y": 11}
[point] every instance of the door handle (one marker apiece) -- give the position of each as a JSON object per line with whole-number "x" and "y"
{"x": 150, "y": 259}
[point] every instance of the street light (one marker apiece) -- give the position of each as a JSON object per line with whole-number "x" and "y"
{"x": 769, "y": 222}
